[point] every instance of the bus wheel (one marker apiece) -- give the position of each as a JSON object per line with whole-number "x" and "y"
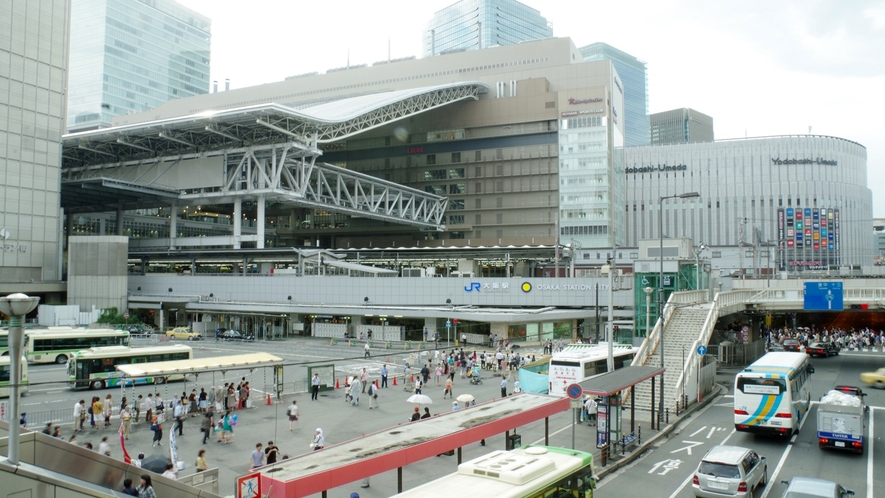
{"x": 96, "y": 384}
{"x": 61, "y": 359}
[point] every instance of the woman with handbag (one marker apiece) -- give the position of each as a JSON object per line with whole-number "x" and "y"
{"x": 157, "y": 427}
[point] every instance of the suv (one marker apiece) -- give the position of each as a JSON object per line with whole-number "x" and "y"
{"x": 791, "y": 345}
{"x": 729, "y": 471}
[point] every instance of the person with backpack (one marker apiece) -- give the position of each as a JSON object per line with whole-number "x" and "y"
{"x": 207, "y": 425}
{"x": 373, "y": 396}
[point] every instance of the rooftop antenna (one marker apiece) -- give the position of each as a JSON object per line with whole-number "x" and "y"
{"x": 809, "y": 130}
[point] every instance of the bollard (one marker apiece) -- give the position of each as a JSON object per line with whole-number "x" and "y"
{"x": 667, "y": 421}
{"x": 604, "y": 454}
{"x": 406, "y": 345}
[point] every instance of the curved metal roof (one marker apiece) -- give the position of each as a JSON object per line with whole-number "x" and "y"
{"x": 258, "y": 125}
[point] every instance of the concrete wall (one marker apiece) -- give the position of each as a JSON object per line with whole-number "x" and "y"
{"x": 97, "y": 274}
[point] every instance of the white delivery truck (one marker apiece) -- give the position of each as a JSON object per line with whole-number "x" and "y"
{"x": 841, "y": 419}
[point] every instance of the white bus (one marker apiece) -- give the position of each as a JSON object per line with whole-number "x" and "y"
{"x": 771, "y": 396}
{"x": 5, "y": 374}
{"x": 529, "y": 471}
{"x": 579, "y": 362}
{"x": 95, "y": 368}
{"x": 56, "y": 344}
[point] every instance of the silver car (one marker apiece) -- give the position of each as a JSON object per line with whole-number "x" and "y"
{"x": 807, "y": 487}
{"x": 729, "y": 471}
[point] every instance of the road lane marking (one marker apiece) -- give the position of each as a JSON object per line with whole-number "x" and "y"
{"x": 691, "y": 475}
{"x": 695, "y": 433}
{"x": 687, "y": 449}
{"x": 773, "y": 476}
{"x": 869, "y": 450}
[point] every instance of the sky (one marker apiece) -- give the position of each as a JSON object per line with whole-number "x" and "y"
{"x": 758, "y": 67}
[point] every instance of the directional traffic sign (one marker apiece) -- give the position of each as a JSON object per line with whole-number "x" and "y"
{"x": 702, "y": 350}
{"x": 574, "y": 391}
{"x": 823, "y": 296}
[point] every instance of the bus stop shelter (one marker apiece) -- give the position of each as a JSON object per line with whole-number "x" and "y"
{"x": 624, "y": 378}
{"x": 199, "y": 366}
{"x": 398, "y": 446}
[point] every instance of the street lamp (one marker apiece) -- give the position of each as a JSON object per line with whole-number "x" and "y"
{"x": 16, "y": 306}
{"x": 697, "y": 264}
{"x": 687, "y": 195}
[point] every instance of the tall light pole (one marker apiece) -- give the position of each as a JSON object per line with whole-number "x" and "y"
{"x": 687, "y": 195}
{"x": 17, "y": 306}
{"x": 697, "y": 264}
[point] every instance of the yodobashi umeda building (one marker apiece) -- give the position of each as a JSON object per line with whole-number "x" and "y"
{"x": 801, "y": 199}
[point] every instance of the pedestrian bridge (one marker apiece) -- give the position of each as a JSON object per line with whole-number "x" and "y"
{"x": 690, "y": 317}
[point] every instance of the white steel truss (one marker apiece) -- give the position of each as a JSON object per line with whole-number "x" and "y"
{"x": 282, "y": 173}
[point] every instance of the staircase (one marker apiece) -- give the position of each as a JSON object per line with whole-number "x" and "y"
{"x": 683, "y": 329}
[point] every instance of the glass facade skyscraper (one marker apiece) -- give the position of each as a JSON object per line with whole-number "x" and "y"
{"x": 33, "y": 50}
{"x": 131, "y": 56}
{"x": 635, "y": 79}
{"x": 478, "y": 24}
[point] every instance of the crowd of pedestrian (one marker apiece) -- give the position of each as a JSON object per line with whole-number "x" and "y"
{"x": 851, "y": 338}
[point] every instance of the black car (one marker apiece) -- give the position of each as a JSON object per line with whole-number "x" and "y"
{"x": 791, "y": 345}
{"x": 139, "y": 330}
{"x": 233, "y": 335}
{"x": 824, "y": 349}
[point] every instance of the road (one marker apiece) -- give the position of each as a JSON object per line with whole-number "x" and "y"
{"x": 670, "y": 467}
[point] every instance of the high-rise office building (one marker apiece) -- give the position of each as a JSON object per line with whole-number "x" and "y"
{"x": 133, "y": 55}
{"x": 478, "y": 24}
{"x": 680, "y": 126}
{"x": 635, "y": 80}
{"x": 33, "y": 60}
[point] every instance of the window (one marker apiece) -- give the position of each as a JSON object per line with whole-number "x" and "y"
{"x": 457, "y": 188}
{"x": 435, "y": 174}
{"x": 457, "y": 173}
{"x": 456, "y": 157}
{"x": 431, "y": 159}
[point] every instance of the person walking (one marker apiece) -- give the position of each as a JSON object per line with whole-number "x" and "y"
{"x": 108, "y": 410}
{"x": 96, "y": 410}
{"x": 157, "y": 427}
{"x": 227, "y": 429}
{"x": 103, "y": 447}
{"x": 201, "y": 464}
{"x": 192, "y": 399}
{"x": 591, "y": 409}
{"x": 448, "y": 389}
{"x": 315, "y": 387}
{"x": 504, "y": 386}
{"x": 319, "y": 440}
{"x": 146, "y": 489}
{"x": 149, "y": 409}
{"x": 355, "y": 391}
{"x": 178, "y": 414}
{"x": 384, "y": 373}
{"x": 373, "y": 396}
{"x": 207, "y": 424}
{"x": 439, "y": 374}
{"x": 79, "y": 415}
{"x": 256, "y": 457}
{"x": 126, "y": 417}
{"x": 137, "y": 408}
{"x": 364, "y": 377}
{"x": 292, "y": 412}
{"x": 271, "y": 452}
{"x": 367, "y": 351}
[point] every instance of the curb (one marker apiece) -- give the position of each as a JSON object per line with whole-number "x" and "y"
{"x": 664, "y": 433}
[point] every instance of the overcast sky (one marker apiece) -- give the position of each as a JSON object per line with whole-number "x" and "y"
{"x": 758, "y": 67}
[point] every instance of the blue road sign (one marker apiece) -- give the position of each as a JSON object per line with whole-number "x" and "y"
{"x": 574, "y": 391}
{"x": 702, "y": 350}
{"x": 823, "y": 296}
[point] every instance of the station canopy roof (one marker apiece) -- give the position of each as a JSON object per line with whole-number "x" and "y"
{"x": 619, "y": 380}
{"x": 198, "y": 366}
{"x": 260, "y": 124}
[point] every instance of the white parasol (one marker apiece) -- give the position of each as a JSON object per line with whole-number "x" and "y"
{"x": 465, "y": 398}
{"x": 420, "y": 399}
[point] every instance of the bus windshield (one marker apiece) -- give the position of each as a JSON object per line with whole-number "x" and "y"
{"x": 759, "y": 385}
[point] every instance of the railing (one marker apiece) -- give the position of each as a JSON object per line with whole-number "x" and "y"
{"x": 676, "y": 300}
{"x": 706, "y": 333}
